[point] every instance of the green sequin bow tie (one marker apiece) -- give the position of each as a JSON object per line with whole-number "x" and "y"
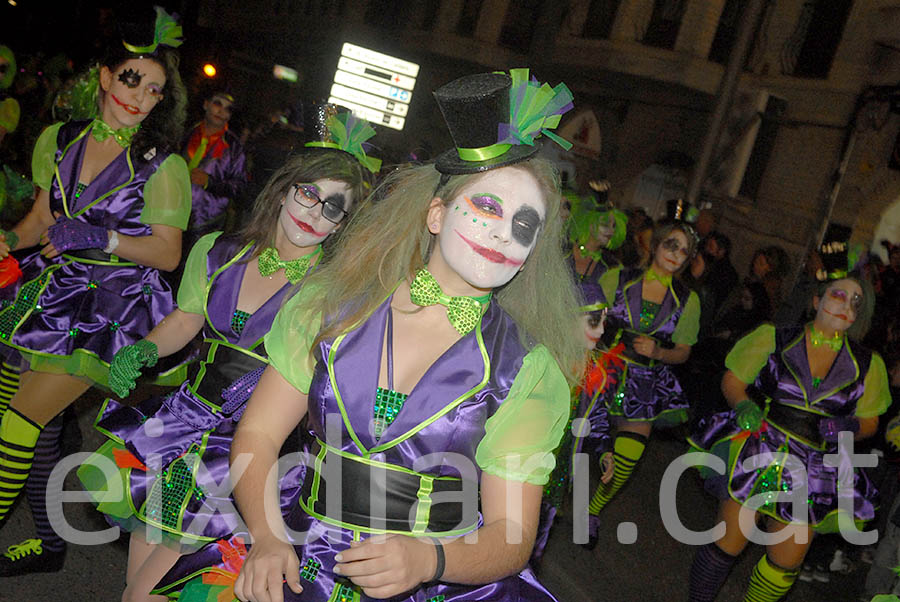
{"x": 650, "y": 275}
{"x": 818, "y": 338}
{"x": 463, "y": 312}
{"x": 101, "y": 131}
{"x": 269, "y": 262}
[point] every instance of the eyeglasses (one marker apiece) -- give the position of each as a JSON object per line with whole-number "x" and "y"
{"x": 840, "y": 295}
{"x": 306, "y": 195}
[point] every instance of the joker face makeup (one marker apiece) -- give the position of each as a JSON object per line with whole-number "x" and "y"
{"x": 671, "y": 253}
{"x": 311, "y": 211}
{"x": 131, "y": 92}
{"x": 837, "y": 309}
{"x": 487, "y": 232}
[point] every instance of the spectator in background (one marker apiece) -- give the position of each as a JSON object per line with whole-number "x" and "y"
{"x": 769, "y": 266}
{"x": 9, "y": 108}
{"x": 217, "y": 164}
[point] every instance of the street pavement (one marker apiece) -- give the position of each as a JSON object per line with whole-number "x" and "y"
{"x": 653, "y": 568}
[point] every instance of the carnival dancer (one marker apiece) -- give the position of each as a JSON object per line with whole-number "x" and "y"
{"x": 111, "y": 206}
{"x": 816, "y": 381}
{"x": 231, "y": 289}
{"x": 652, "y": 323}
{"x": 428, "y": 373}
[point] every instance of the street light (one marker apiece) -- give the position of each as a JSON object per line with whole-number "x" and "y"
{"x": 209, "y": 70}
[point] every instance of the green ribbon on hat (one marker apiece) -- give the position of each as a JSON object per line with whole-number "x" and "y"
{"x": 294, "y": 270}
{"x": 348, "y": 134}
{"x": 463, "y": 312}
{"x": 166, "y": 31}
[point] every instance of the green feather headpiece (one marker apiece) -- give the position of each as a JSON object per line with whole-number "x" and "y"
{"x": 535, "y": 109}
{"x": 166, "y": 32}
{"x": 349, "y": 134}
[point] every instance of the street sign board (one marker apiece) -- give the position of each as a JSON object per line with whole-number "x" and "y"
{"x": 375, "y": 86}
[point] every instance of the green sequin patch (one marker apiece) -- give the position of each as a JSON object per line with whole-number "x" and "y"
{"x": 387, "y": 405}
{"x": 346, "y": 593}
{"x": 310, "y": 570}
{"x": 648, "y": 314}
{"x": 172, "y": 490}
{"x": 25, "y": 301}
{"x": 239, "y": 320}
{"x": 438, "y": 598}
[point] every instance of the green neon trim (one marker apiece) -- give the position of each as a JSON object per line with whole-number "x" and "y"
{"x": 183, "y": 580}
{"x": 358, "y": 528}
{"x": 62, "y": 191}
{"x": 479, "y": 337}
{"x": 423, "y": 506}
{"x": 337, "y": 395}
{"x": 378, "y": 464}
{"x": 317, "y": 470}
{"x": 114, "y": 261}
{"x": 593, "y": 307}
{"x": 483, "y": 153}
{"x": 212, "y": 278}
{"x": 97, "y": 426}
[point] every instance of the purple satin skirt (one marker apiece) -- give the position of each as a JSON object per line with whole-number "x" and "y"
{"x": 768, "y": 450}
{"x": 649, "y": 393}
{"x": 178, "y": 479}
{"x": 94, "y": 308}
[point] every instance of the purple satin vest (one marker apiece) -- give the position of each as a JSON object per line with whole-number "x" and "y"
{"x": 445, "y": 413}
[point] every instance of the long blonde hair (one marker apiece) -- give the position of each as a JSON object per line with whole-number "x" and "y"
{"x": 387, "y": 241}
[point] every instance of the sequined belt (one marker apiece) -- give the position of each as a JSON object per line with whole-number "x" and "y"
{"x": 377, "y": 497}
{"x": 796, "y": 422}
{"x": 220, "y": 366}
{"x": 96, "y": 256}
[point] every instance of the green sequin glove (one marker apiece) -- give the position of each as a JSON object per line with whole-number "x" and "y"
{"x": 748, "y": 415}
{"x": 127, "y": 363}
{"x": 11, "y": 238}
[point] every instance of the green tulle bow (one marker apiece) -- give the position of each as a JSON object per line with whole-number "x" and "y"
{"x": 535, "y": 109}
{"x": 349, "y": 134}
{"x": 166, "y": 32}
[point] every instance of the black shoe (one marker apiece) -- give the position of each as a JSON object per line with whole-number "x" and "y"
{"x": 593, "y": 532}
{"x": 30, "y": 557}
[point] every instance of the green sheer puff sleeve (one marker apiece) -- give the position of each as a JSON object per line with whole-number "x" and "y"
{"x": 192, "y": 291}
{"x": 688, "y": 326}
{"x": 750, "y": 353}
{"x": 609, "y": 282}
{"x": 876, "y": 396}
{"x": 520, "y": 437}
{"x": 290, "y": 340}
{"x": 167, "y": 194}
{"x": 43, "y": 159}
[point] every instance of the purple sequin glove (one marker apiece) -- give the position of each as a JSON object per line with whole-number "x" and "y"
{"x": 829, "y": 428}
{"x": 72, "y": 234}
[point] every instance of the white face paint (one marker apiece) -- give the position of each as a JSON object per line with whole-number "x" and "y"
{"x": 131, "y": 92}
{"x": 307, "y": 226}
{"x": 671, "y": 253}
{"x": 486, "y": 233}
{"x": 837, "y": 309}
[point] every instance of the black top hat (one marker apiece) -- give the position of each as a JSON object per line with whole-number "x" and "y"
{"x": 474, "y": 107}
{"x": 835, "y": 261}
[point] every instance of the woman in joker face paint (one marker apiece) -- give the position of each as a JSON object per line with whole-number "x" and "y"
{"x": 311, "y": 211}
{"x": 486, "y": 232}
{"x": 111, "y": 203}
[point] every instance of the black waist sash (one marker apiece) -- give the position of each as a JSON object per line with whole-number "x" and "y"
{"x": 97, "y": 256}
{"x": 797, "y": 422}
{"x": 221, "y": 365}
{"x": 378, "y": 497}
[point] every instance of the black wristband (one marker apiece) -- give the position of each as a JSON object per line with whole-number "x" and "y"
{"x": 441, "y": 560}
